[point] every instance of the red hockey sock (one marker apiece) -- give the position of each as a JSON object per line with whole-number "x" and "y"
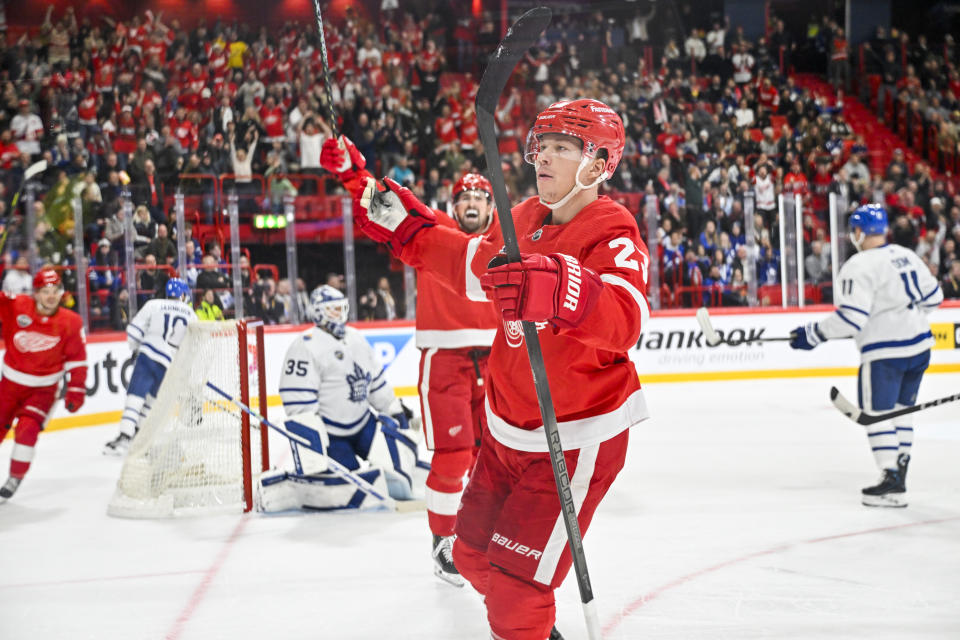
{"x": 472, "y": 564}
{"x": 28, "y": 429}
{"x": 444, "y": 486}
{"x": 517, "y": 609}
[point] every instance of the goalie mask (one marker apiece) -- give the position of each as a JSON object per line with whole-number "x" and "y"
{"x": 473, "y": 203}
{"x": 329, "y": 309}
{"x": 596, "y": 125}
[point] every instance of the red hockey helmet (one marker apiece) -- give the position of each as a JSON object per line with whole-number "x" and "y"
{"x": 472, "y": 182}
{"x": 594, "y": 123}
{"x": 46, "y": 277}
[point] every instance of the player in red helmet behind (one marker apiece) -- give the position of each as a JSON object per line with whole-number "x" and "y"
{"x": 454, "y": 334}
{"x": 582, "y": 279}
{"x": 43, "y": 342}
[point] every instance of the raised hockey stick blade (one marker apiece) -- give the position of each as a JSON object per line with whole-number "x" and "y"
{"x": 521, "y": 36}
{"x": 331, "y": 112}
{"x": 334, "y": 466}
{"x": 29, "y": 174}
{"x": 860, "y": 416}
{"x": 713, "y": 338}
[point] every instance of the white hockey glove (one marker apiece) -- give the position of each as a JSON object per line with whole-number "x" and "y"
{"x": 393, "y": 215}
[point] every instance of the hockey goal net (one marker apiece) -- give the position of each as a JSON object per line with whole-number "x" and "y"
{"x": 197, "y": 453}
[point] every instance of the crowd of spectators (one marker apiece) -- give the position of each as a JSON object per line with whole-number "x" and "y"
{"x": 132, "y": 106}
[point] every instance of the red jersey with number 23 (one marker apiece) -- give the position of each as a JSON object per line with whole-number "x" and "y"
{"x": 595, "y": 388}
{"x": 39, "y": 348}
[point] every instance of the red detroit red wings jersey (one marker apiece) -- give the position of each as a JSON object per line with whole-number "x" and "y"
{"x": 450, "y": 315}
{"x": 445, "y": 318}
{"x": 595, "y": 388}
{"x": 39, "y": 348}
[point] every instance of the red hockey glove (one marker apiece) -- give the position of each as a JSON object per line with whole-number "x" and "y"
{"x": 554, "y": 287}
{"x": 393, "y": 215}
{"x": 341, "y": 158}
{"x": 74, "y": 399}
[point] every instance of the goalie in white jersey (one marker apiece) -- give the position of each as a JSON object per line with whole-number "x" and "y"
{"x": 154, "y": 336}
{"x": 883, "y": 297}
{"x": 332, "y": 382}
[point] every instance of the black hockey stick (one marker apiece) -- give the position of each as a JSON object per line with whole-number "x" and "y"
{"x": 860, "y": 416}
{"x": 713, "y": 338}
{"x": 326, "y": 71}
{"x": 522, "y": 35}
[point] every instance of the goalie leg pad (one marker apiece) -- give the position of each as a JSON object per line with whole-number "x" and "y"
{"x": 309, "y": 458}
{"x": 394, "y": 450}
{"x": 280, "y": 491}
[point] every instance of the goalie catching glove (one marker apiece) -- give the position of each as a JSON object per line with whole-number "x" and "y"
{"x": 539, "y": 288}
{"x": 394, "y": 215}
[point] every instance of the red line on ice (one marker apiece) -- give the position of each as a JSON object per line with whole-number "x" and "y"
{"x": 642, "y": 600}
{"x": 137, "y": 576}
{"x": 201, "y": 591}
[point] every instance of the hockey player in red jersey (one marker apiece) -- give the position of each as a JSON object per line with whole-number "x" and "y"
{"x": 43, "y": 342}
{"x": 582, "y": 280}
{"x": 454, "y": 334}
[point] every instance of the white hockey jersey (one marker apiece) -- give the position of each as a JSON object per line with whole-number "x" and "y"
{"x": 337, "y": 379}
{"x": 883, "y": 297}
{"x": 158, "y": 329}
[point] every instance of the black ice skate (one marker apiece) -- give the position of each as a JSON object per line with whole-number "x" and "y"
{"x": 9, "y": 488}
{"x": 555, "y": 635}
{"x": 118, "y": 446}
{"x": 890, "y": 492}
{"x": 443, "y": 566}
{"x": 903, "y": 461}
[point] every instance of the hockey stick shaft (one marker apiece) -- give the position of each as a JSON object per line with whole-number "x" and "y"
{"x": 714, "y": 338}
{"x": 331, "y": 112}
{"x": 521, "y": 36}
{"x": 335, "y": 466}
{"x": 860, "y": 416}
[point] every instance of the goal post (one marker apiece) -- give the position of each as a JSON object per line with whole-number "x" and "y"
{"x": 194, "y": 453}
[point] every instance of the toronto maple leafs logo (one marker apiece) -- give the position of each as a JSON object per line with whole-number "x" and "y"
{"x": 359, "y": 382}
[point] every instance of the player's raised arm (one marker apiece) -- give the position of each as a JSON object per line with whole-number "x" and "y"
{"x": 396, "y": 217}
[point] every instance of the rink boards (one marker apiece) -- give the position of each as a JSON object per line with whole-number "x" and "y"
{"x": 671, "y": 349}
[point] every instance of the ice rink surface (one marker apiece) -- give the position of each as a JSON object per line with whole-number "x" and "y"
{"x": 737, "y": 516}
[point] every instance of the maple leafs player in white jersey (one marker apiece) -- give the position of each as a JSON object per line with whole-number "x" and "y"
{"x": 154, "y": 335}
{"x": 883, "y": 297}
{"x": 333, "y": 383}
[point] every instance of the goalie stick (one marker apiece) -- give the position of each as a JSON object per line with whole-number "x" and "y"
{"x": 713, "y": 338}
{"x": 860, "y": 416}
{"x": 311, "y": 439}
{"x": 520, "y": 37}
